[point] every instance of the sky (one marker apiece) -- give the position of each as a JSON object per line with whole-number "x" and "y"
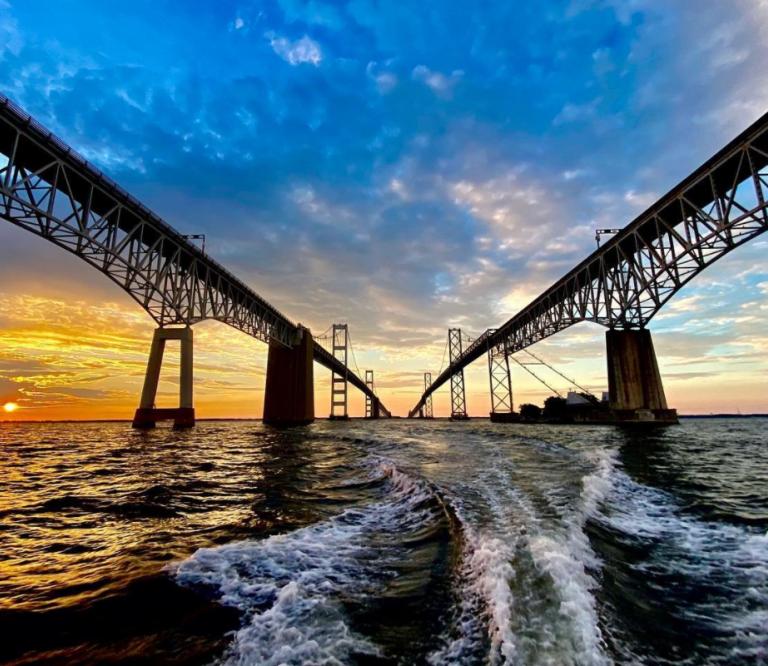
{"x": 402, "y": 167}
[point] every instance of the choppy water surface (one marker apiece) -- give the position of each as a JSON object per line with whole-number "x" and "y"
{"x": 388, "y": 542}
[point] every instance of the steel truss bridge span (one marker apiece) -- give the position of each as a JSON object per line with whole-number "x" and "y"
{"x": 626, "y": 281}
{"x": 50, "y": 190}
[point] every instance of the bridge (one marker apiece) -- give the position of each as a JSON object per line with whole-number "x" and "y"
{"x": 50, "y": 190}
{"x": 626, "y": 281}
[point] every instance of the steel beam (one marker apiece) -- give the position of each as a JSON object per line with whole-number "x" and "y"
{"x": 458, "y": 396}
{"x": 427, "y": 411}
{"x": 500, "y": 379}
{"x": 339, "y": 348}
{"x": 627, "y": 280}
{"x": 369, "y": 402}
{"x": 51, "y": 191}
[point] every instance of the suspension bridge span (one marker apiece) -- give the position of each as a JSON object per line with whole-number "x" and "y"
{"x": 627, "y": 280}
{"x": 50, "y": 190}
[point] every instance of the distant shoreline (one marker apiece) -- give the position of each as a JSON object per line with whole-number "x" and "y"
{"x": 351, "y": 418}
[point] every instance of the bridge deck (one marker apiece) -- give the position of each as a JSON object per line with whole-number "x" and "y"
{"x": 623, "y": 283}
{"x": 52, "y": 191}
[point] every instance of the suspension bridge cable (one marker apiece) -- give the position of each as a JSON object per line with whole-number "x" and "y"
{"x": 324, "y": 334}
{"x": 442, "y": 360}
{"x": 352, "y": 350}
{"x": 527, "y": 369}
{"x": 556, "y": 371}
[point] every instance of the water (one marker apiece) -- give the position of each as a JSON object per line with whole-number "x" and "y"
{"x": 385, "y": 542}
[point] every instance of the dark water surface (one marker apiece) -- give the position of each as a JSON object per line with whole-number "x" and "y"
{"x": 387, "y": 542}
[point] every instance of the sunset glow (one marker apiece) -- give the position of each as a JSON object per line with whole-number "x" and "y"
{"x": 447, "y": 202}
{"x": 10, "y": 407}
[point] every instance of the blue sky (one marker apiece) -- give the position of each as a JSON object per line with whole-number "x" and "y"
{"x": 403, "y": 166}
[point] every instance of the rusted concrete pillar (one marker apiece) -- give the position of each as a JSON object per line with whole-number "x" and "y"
{"x": 634, "y": 383}
{"x": 147, "y": 414}
{"x": 289, "y": 396}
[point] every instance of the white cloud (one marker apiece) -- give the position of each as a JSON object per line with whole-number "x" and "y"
{"x": 440, "y": 83}
{"x": 297, "y": 52}
{"x": 385, "y": 81}
{"x": 640, "y": 199}
{"x": 572, "y": 113}
{"x": 396, "y": 186}
{"x": 10, "y": 39}
{"x": 239, "y": 23}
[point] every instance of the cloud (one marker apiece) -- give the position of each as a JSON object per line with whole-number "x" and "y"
{"x": 304, "y": 50}
{"x": 575, "y": 113}
{"x": 432, "y": 171}
{"x": 440, "y": 83}
{"x": 11, "y": 40}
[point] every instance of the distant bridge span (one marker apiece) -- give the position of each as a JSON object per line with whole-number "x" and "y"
{"x": 50, "y": 190}
{"x": 627, "y": 280}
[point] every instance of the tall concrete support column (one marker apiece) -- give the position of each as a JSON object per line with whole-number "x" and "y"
{"x": 634, "y": 383}
{"x": 147, "y": 414}
{"x": 289, "y": 396}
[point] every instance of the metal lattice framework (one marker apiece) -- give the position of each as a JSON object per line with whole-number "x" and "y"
{"x": 340, "y": 345}
{"x": 458, "y": 397}
{"x": 501, "y": 381}
{"x": 624, "y": 283}
{"x": 427, "y": 411}
{"x": 50, "y": 190}
{"x": 368, "y": 400}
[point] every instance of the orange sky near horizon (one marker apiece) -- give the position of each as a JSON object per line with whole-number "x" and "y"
{"x": 83, "y": 357}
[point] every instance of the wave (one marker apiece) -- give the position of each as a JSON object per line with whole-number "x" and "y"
{"x": 524, "y": 588}
{"x": 678, "y": 550}
{"x": 486, "y": 573}
{"x": 568, "y": 559}
{"x": 291, "y": 588}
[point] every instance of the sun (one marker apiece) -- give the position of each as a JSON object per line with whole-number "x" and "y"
{"x": 9, "y": 407}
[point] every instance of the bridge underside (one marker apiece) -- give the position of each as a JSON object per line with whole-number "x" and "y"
{"x": 723, "y": 204}
{"x": 51, "y": 191}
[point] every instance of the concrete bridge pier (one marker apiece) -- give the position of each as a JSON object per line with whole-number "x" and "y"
{"x": 636, "y": 394}
{"x": 147, "y": 414}
{"x": 289, "y": 396}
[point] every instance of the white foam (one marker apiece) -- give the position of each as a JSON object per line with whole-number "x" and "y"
{"x": 735, "y": 556}
{"x": 559, "y": 551}
{"x": 567, "y": 558}
{"x": 486, "y": 575}
{"x": 289, "y": 586}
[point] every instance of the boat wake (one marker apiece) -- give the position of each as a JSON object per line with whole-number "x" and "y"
{"x": 293, "y": 589}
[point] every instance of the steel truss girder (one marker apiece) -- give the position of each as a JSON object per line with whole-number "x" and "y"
{"x": 51, "y": 191}
{"x": 625, "y": 282}
{"x": 47, "y": 189}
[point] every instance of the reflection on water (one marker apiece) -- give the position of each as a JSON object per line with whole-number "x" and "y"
{"x": 384, "y": 542}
